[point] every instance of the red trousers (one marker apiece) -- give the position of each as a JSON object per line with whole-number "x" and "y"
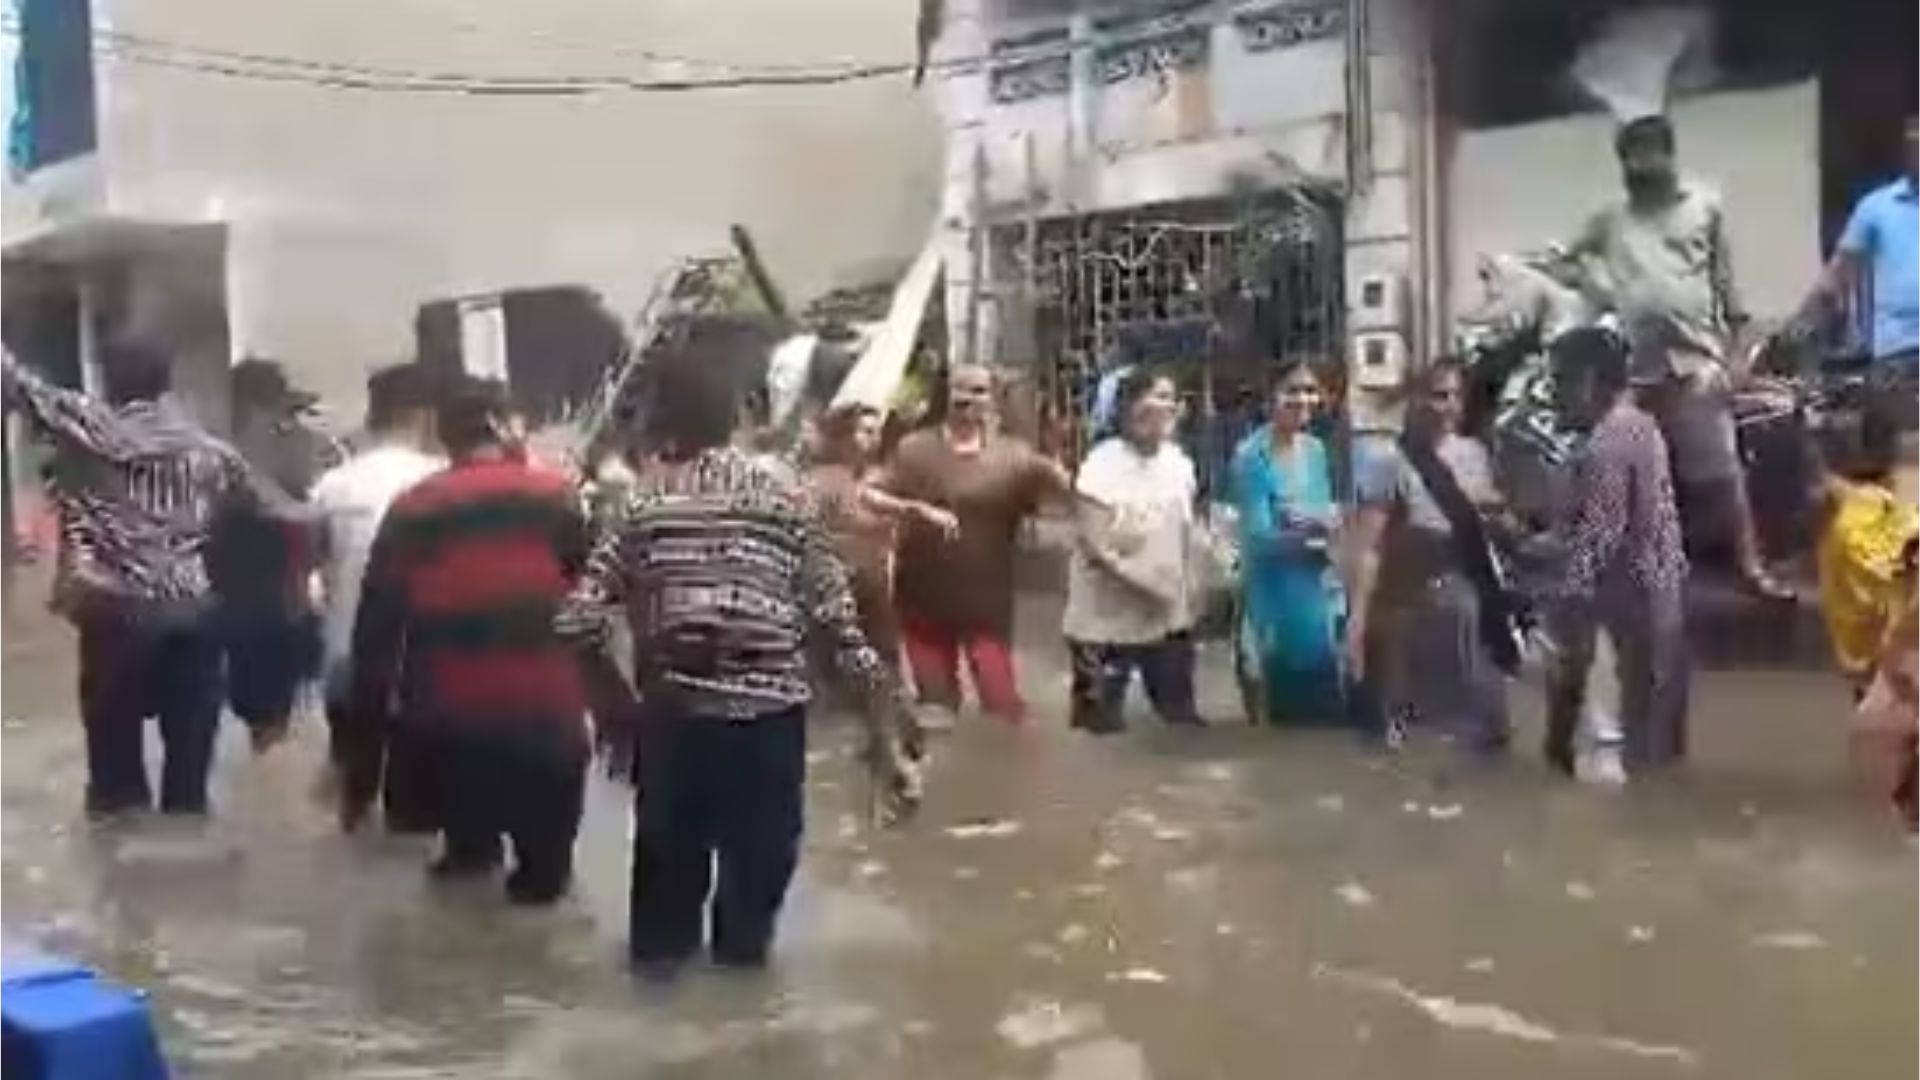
{"x": 933, "y": 655}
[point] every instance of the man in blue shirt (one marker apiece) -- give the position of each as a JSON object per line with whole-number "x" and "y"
{"x": 1883, "y": 241}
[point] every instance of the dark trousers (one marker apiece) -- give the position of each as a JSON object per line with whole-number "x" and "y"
{"x": 715, "y": 793}
{"x": 1893, "y": 388}
{"x": 516, "y": 785}
{"x": 375, "y": 758}
{"x": 1102, "y": 673}
{"x": 269, "y": 655}
{"x": 1655, "y": 672}
{"x": 129, "y": 673}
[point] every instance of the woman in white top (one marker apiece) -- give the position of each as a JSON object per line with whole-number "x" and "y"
{"x": 1130, "y": 583}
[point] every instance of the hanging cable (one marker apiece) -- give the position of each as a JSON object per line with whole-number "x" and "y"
{"x": 144, "y": 50}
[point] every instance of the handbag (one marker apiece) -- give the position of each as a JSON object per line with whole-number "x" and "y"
{"x": 1502, "y": 616}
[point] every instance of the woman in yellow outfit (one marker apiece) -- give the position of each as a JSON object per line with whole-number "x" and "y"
{"x": 1861, "y": 550}
{"x": 1868, "y": 596}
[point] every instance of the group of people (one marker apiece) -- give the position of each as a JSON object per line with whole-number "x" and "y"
{"x": 465, "y": 606}
{"x": 1396, "y": 607}
{"x": 471, "y": 605}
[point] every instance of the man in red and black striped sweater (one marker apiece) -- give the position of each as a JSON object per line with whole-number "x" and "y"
{"x": 454, "y": 639}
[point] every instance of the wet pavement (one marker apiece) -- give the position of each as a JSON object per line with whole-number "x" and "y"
{"x": 1169, "y": 904}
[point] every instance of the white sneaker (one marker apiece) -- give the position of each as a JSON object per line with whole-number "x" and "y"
{"x": 937, "y": 718}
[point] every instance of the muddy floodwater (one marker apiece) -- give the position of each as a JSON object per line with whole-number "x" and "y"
{"x": 1169, "y": 904}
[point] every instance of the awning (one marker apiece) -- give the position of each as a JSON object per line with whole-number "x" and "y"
{"x": 876, "y": 377}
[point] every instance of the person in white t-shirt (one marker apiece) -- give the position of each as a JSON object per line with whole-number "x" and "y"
{"x": 351, "y": 499}
{"x": 1131, "y": 581}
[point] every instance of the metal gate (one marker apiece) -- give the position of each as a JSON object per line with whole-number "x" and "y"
{"x": 1216, "y": 290}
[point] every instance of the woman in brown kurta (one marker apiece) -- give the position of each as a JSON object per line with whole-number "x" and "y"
{"x": 954, "y": 592}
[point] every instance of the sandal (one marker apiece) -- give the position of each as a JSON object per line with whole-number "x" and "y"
{"x": 1767, "y": 587}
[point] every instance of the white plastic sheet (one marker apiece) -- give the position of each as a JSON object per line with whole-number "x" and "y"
{"x": 1629, "y": 68}
{"x": 876, "y": 377}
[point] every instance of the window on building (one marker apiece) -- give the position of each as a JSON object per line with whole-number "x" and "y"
{"x": 1512, "y": 61}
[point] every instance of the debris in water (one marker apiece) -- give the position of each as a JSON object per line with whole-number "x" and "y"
{"x": 1170, "y": 834}
{"x": 1073, "y": 934}
{"x": 1579, "y": 890}
{"x": 1480, "y": 965}
{"x": 1023, "y": 894}
{"x": 1224, "y": 929}
{"x": 1091, "y": 888}
{"x": 1040, "y": 950}
{"x": 1355, "y": 894}
{"x": 870, "y": 868}
{"x": 1409, "y": 807}
{"x": 1445, "y": 813}
{"x": 36, "y": 875}
{"x": 1194, "y": 878}
{"x": 979, "y": 830}
{"x": 1792, "y": 940}
{"x": 1332, "y": 804}
{"x": 1100, "y": 1059}
{"x": 1040, "y": 1022}
{"x": 13, "y": 724}
{"x": 1138, "y": 975}
{"x": 1107, "y": 860}
{"x": 965, "y": 873}
{"x": 849, "y": 827}
{"x": 1640, "y": 935}
{"x": 1219, "y": 773}
{"x": 1498, "y": 1020}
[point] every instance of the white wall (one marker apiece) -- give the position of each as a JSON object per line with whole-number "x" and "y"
{"x": 349, "y": 209}
{"x": 1521, "y": 188}
{"x": 1191, "y": 135}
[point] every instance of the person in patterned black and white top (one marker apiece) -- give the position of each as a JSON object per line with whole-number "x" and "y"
{"x": 1625, "y": 567}
{"x": 724, "y": 571}
{"x": 138, "y": 487}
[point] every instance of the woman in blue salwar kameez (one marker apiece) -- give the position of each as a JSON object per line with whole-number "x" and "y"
{"x": 1291, "y": 602}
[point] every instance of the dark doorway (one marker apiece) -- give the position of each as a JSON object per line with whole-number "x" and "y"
{"x": 1868, "y": 72}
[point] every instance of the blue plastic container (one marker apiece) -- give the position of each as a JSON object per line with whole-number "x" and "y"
{"x": 58, "y": 1021}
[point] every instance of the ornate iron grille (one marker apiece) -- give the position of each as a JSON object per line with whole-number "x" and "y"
{"x": 1216, "y": 290}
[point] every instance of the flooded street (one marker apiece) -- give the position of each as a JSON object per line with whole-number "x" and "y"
{"x": 1168, "y": 904}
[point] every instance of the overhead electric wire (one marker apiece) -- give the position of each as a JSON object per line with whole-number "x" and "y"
{"x": 121, "y": 42}
{"x": 144, "y": 50}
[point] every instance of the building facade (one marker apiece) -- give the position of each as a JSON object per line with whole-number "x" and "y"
{"x": 1123, "y": 171}
{"x": 1100, "y": 155}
